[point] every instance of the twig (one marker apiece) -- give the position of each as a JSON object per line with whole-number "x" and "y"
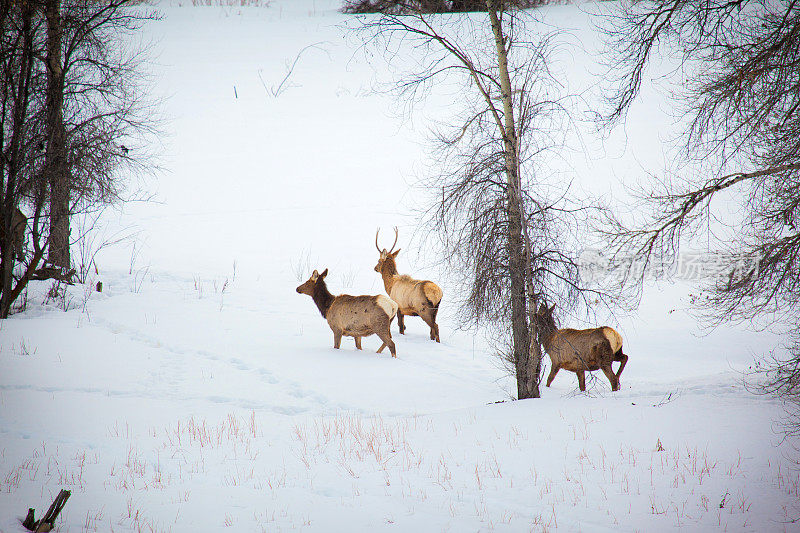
{"x": 283, "y": 86}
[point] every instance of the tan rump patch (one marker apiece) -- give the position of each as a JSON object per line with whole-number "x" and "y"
{"x": 614, "y": 338}
{"x": 432, "y": 292}
{"x": 387, "y": 304}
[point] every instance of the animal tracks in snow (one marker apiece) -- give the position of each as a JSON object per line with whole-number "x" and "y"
{"x": 178, "y": 357}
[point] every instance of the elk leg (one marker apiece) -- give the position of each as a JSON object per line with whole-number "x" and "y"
{"x": 429, "y": 316}
{"x": 623, "y": 359}
{"x": 552, "y": 376}
{"x": 612, "y": 377}
{"x": 387, "y": 341}
{"x": 581, "y": 380}
{"x": 358, "y": 342}
{"x": 337, "y": 340}
{"x": 434, "y": 325}
{"x": 401, "y": 323}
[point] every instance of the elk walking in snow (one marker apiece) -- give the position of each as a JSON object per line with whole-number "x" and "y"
{"x": 580, "y": 350}
{"x": 352, "y": 316}
{"x": 415, "y": 297}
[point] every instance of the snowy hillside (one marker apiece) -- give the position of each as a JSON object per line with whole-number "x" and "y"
{"x": 200, "y": 392}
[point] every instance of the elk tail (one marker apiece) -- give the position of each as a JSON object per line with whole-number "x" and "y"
{"x": 432, "y": 293}
{"x": 614, "y": 340}
{"x": 388, "y": 305}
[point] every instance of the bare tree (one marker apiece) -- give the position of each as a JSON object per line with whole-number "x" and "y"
{"x": 19, "y": 131}
{"x": 96, "y": 114}
{"x": 742, "y": 106}
{"x": 743, "y": 110}
{"x": 405, "y": 7}
{"x": 780, "y": 376}
{"x": 506, "y": 238}
{"x": 71, "y": 97}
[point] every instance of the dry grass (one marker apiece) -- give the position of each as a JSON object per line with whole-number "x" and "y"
{"x": 455, "y": 468}
{"x": 678, "y": 484}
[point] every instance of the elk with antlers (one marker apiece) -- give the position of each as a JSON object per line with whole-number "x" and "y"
{"x": 580, "y": 350}
{"x": 415, "y": 297}
{"x": 352, "y": 316}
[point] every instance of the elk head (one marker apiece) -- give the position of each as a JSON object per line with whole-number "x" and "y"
{"x": 308, "y": 286}
{"x": 544, "y": 319}
{"x": 386, "y": 255}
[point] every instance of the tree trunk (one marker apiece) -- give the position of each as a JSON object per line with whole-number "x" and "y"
{"x": 526, "y": 368}
{"x": 526, "y": 363}
{"x": 9, "y": 196}
{"x": 56, "y": 170}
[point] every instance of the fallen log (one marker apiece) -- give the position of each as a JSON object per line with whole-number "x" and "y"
{"x": 56, "y": 273}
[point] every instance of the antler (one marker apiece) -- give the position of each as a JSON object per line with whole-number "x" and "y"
{"x": 393, "y": 244}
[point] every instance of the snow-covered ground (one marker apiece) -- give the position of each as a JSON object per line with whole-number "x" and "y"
{"x": 200, "y": 392}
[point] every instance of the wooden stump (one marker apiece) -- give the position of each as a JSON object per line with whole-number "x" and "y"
{"x": 48, "y": 521}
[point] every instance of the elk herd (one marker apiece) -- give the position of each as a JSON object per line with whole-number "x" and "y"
{"x": 361, "y": 316}
{"x": 578, "y": 351}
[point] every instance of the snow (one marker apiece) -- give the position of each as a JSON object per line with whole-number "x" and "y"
{"x": 199, "y": 392}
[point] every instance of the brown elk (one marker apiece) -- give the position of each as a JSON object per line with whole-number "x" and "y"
{"x": 580, "y": 350}
{"x": 352, "y": 316}
{"x": 415, "y": 297}
{"x": 18, "y": 224}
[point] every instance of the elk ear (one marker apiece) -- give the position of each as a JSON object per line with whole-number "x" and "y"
{"x": 395, "y": 253}
{"x": 314, "y": 275}
{"x": 324, "y": 273}
{"x": 550, "y": 311}
{"x": 542, "y": 309}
